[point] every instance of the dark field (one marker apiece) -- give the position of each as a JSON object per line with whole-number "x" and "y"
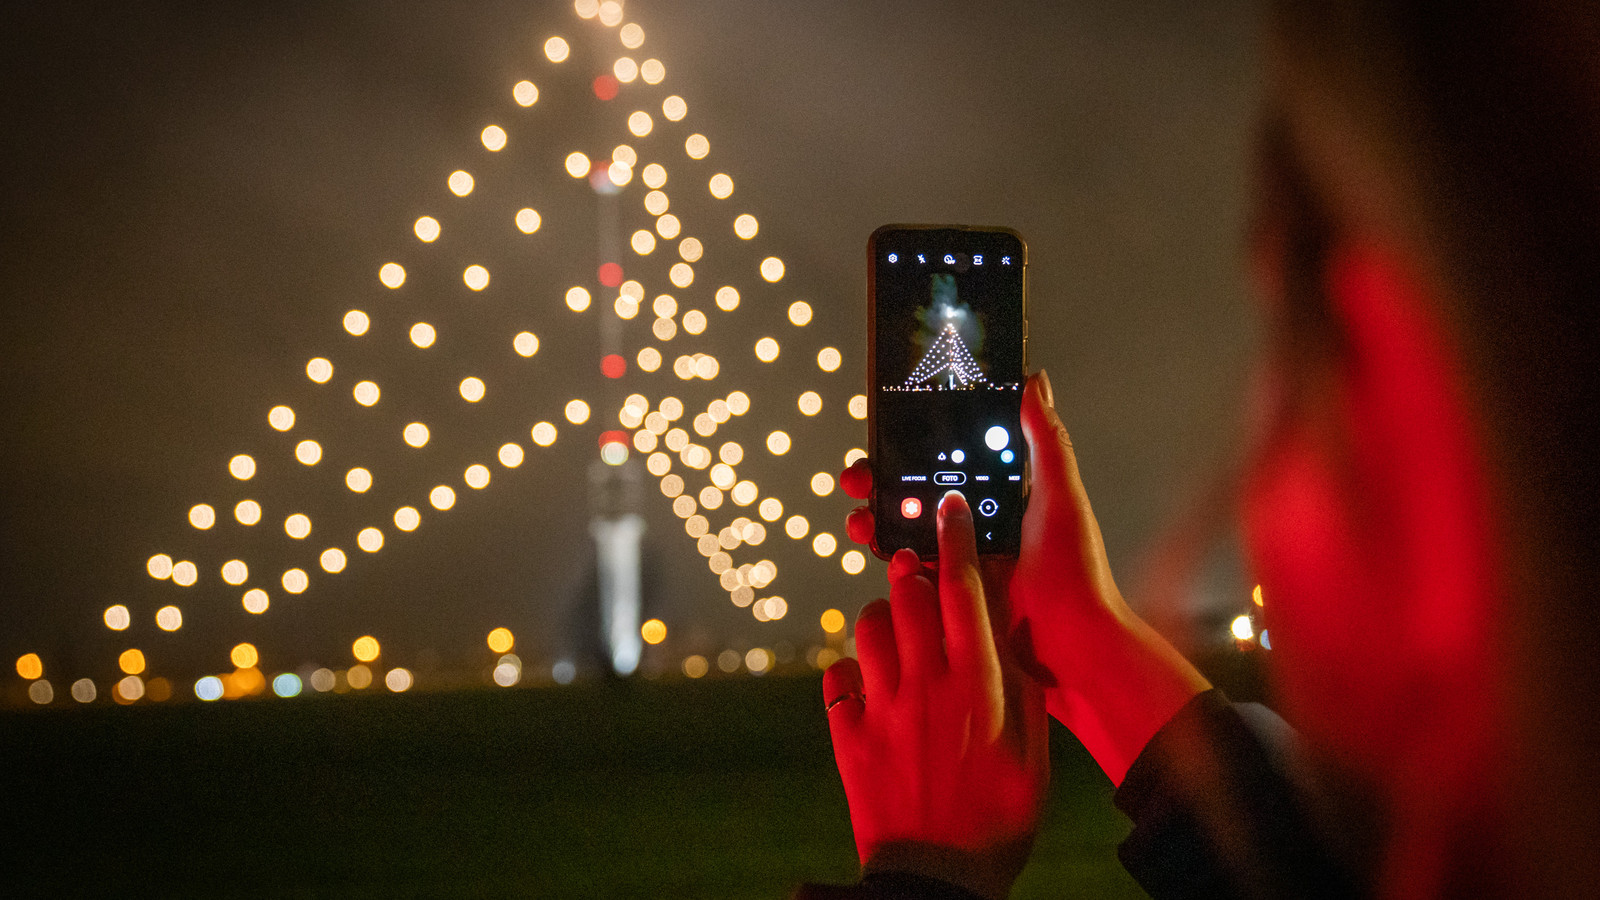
{"x": 687, "y": 789}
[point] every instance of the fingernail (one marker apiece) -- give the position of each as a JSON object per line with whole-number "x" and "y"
{"x": 945, "y": 505}
{"x": 1044, "y": 387}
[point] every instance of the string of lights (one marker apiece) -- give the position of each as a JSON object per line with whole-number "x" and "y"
{"x": 726, "y": 515}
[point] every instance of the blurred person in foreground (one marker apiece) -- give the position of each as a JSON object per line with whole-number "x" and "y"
{"x": 1420, "y": 510}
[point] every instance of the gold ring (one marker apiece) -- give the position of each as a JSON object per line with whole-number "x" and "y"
{"x": 847, "y": 695}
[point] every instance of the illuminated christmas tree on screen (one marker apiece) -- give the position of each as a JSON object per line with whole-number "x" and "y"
{"x": 948, "y": 362}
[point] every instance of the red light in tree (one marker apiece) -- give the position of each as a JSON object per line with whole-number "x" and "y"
{"x": 605, "y": 87}
{"x": 610, "y": 274}
{"x": 613, "y": 366}
{"x": 613, "y": 437}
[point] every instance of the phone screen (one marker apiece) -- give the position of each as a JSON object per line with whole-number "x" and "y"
{"x": 948, "y": 336}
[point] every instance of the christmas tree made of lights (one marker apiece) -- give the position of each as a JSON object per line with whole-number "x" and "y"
{"x": 948, "y": 355}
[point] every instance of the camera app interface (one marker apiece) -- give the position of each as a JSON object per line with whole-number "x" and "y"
{"x": 949, "y": 360}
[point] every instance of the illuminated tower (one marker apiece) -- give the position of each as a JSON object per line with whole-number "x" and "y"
{"x": 949, "y": 361}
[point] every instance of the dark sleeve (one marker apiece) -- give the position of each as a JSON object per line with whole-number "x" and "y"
{"x": 887, "y": 886}
{"x": 1214, "y": 816}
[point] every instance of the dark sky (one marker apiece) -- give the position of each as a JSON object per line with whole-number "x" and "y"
{"x": 194, "y": 193}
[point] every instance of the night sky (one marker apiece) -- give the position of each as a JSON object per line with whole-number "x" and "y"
{"x": 195, "y": 193}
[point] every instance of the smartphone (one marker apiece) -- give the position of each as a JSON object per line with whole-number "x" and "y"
{"x": 947, "y": 340}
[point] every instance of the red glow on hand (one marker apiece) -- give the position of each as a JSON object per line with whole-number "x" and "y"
{"x": 613, "y": 366}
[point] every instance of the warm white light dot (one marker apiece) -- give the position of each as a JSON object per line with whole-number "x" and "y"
{"x": 610, "y": 12}
{"x": 319, "y": 370}
{"x": 655, "y": 175}
{"x": 694, "y": 321}
{"x": 778, "y": 443}
{"x": 625, "y": 154}
{"x": 281, "y": 418}
{"x": 619, "y": 173}
{"x": 577, "y": 164}
{"x": 668, "y": 226}
{"x": 854, "y": 455}
{"x": 577, "y": 412}
{"x": 477, "y": 476}
{"x": 656, "y": 203}
{"x": 423, "y": 335}
{"x": 649, "y": 359}
{"x": 370, "y": 540}
{"x": 358, "y": 480}
{"x": 510, "y": 455}
{"x": 494, "y": 138}
{"x": 526, "y": 93}
{"x": 356, "y": 322}
{"x": 853, "y": 561}
{"x": 639, "y": 123}
{"x": 745, "y": 493}
{"x": 690, "y": 249}
{"x": 665, "y": 306}
{"x": 392, "y": 275}
{"x": 697, "y": 146}
{"x": 460, "y": 183}
{"x": 332, "y": 560}
{"x": 822, "y": 484}
{"x": 234, "y": 571}
{"x": 255, "y": 601}
{"x": 674, "y": 108}
{"x": 810, "y": 403}
{"x": 442, "y": 497}
{"x": 824, "y": 544}
{"x": 1242, "y": 628}
{"x": 626, "y": 307}
{"x": 406, "y": 518}
{"x": 772, "y": 269}
{"x": 248, "y": 512}
{"x": 185, "y": 573}
{"x": 652, "y": 71}
{"x": 476, "y": 277}
{"x": 472, "y": 389}
{"x": 117, "y": 618}
{"x": 242, "y": 467}
{"x": 297, "y": 526}
{"x": 625, "y": 69}
{"x": 631, "y": 35}
{"x": 556, "y": 49}
{"x": 745, "y": 226}
{"x": 681, "y": 275}
{"x": 643, "y": 242}
{"x": 766, "y": 349}
{"x": 525, "y": 343}
{"x": 829, "y": 359}
{"x": 202, "y": 516}
{"x": 427, "y": 229}
{"x": 398, "y": 680}
{"x": 544, "y": 434}
{"x": 727, "y": 299}
{"x": 308, "y": 452}
{"x": 295, "y": 581}
{"x": 365, "y": 392}
{"x": 858, "y": 406}
{"x": 577, "y": 299}
{"x": 416, "y": 434}
{"x": 771, "y": 509}
{"x": 721, "y": 186}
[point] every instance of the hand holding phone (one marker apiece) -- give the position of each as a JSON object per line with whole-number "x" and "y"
{"x": 946, "y": 360}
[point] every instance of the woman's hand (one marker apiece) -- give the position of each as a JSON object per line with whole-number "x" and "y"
{"x": 942, "y": 752}
{"x": 1107, "y": 675}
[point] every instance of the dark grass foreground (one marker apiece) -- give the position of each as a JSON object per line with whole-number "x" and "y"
{"x": 684, "y": 789}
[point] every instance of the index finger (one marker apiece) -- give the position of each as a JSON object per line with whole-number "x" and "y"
{"x": 968, "y": 641}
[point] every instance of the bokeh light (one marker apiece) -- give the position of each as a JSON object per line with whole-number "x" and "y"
{"x": 427, "y": 229}
{"x": 318, "y": 370}
{"x": 235, "y": 572}
{"x": 833, "y": 621}
{"x": 722, "y": 188}
{"x": 442, "y": 497}
{"x": 653, "y": 631}
{"x": 308, "y": 452}
{"x": 526, "y": 93}
{"x": 696, "y": 666}
{"x": 460, "y": 183}
{"x": 392, "y": 275}
{"x": 255, "y": 601}
{"x": 652, "y": 71}
{"x": 577, "y": 299}
{"x": 365, "y": 392}
{"x": 675, "y": 108}
{"x": 577, "y": 412}
{"x": 477, "y": 476}
{"x": 415, "y": 434}
{"x": 822, "y": 484}
{"x": 797, "y": 527}
{"x": 577, "y": 164}
{"x": 544, "y": 434}
{"x": 185, "y": 573}
{"x": 297, "y": 525}
{"x": 501, "y": 640}
{"x": 778, "y": 443}
{"x": 824, "y": 544}
{"x": 398, "y": 680}
{"x": 766, "y": 349}
{"x": 30, "y": 666}
{"x": 525, "y": 343}
{"x": 853, "y": 562}
{"x": 286, "y": 685}
{"x": 858, "y": 406}
{"x": 829, "y": 359}
{"x": 476, "y": 277}
{"x": 370, "y": 540}
{"x": 365, "y": 648}
{"x": 358, "y": 480}
{"x": 208, "y": 688}
{"x": 772, "y": 269}
{"x": 510, "y": 455}
{"x": 295, "y": 581}
{"x": 406, "y": 518}
{"x": 117, "y": 617}
{"x": 472, "y": 389}
{"x": 357, "y": 322}
{"x": 159, "y": 566}
{"x": 423, "y": 335}
{"x": 639, "y": 123}
{"x": 202, "y": 516}
{"x": 696, "y": 145}
{"x": 494, "y": 138}
{"x": 244, "y": 656}
{"x": 358, "y": 677}
{"x": 810, "y": 403}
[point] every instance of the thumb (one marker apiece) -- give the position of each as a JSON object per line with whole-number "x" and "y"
{"x": 1058, "y": 513}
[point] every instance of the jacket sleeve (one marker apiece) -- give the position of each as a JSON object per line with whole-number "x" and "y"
{"x": 1215, "y": 813}
{"x": 887, "y": 886}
